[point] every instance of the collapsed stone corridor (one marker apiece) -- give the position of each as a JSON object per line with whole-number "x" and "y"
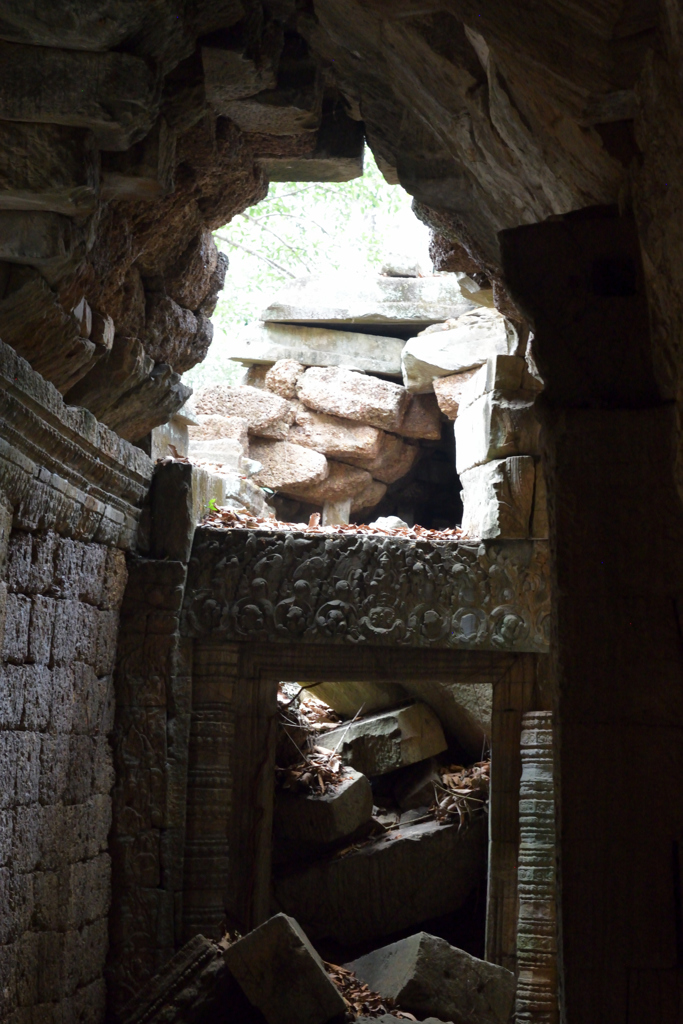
{"x": 543, "y": 148}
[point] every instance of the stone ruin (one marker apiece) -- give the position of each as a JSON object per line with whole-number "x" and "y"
{"x": 142, "y": 651}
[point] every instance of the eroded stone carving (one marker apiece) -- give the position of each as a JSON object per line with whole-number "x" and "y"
{"x": 296, "y": 587}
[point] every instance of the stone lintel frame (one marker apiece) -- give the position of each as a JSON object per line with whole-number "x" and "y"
{"x": 60, "y": 468}
{"x": 367, "y": 590}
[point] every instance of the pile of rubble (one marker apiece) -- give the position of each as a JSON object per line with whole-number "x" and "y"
{"x": 336, "y": 416}
{"x": 369, "y": 802}
{"x": 274, "y": 975}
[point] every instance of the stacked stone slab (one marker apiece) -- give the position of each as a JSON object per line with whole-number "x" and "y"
{"x": 316, "y": 358}
{"x": 496, "y": 444}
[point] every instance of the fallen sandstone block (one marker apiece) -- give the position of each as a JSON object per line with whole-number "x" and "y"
{"x": 323, "y": 819}
{"x": 422, "y": 419}
{"x": 281, "y": 974}
{"x": 353, "y": 396}
{"x": 426, "y": 975}
{"x": 497, "y": 498}
{"x": 223, "y": 451}
{"x": 389, "y": 740}
{"x": 281, "y": 378}
{"x": 267, "y": 414}
{"x": 215, "y": 426}
{"x": 449, "y": 391}
{"x": 495, "y": 426}
{"x": 421, "y": 871}
{"x": 342, "y": 481}
{"x": 349, "y": 699}
{"x": 393, "y": 460}
{"x": 285, "y": 465}
{"x": 370, "y": 496}
{"x": 335, "y": 437}
{"x": 475, "y": 337}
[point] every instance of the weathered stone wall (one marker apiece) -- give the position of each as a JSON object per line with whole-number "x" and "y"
{"x": 70, "y": 496}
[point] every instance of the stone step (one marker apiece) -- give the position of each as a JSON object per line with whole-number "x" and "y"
{"x": 389, "y": 740}
{"x": 427, "y": 976}
{"x": 413, "y": 874}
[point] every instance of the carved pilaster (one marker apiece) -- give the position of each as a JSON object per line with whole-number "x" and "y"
{"x": 513, "y": 695}
{"x": 209, "y": 788}
{"x": 537, "y": 931}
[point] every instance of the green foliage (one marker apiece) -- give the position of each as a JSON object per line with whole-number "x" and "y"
{"x": 301, "y": 229}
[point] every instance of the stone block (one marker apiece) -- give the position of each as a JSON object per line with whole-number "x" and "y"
{"x": 464, "y": 709}
{"x": 110, "y": 93}
{"x": 171, "y": 433}
{"x": 215, "y": 426}
{"x": 278, "y": 111}
{"x": 495, "y": 426}
{"x": 47, "y": 167}
{"x": 499, "y": 373}
{"x": 11, "y": 696}
{"x": 225, "y": 451}
{"x": 427, "y": 976}
{"x": 341, "y": 482}
{"x": 267, "y": 342}
{"x": 449, "y": 391}
{"x": 353, "y": 396}
{"x": 476, "y": 336}
{"x": 282, "y": 975}
{"x": 19, "y": 768}
{"x": 19, "y": 552}
{"x": 393, "y": 460}
{"x": 336, "y": 513}
{"x": 497, "y": 498}
{"x": 369, "y": 497}
{"x": 268, "y": 415}
{"x": 54, "y": 768}
{"x": 342, "y": 300}
{"x": 286, "y": 465}
{"x": 230, "y": 75}
{"x": 17, "y": 623}
{"x": 89, "y": 890}
{"x": 319, "y": 820}
{"x": 282, "y": 377}
{"x": 422, "y": 871}
{"x": 37, "y": 686}
{"x": 422, "y": 419}
{"x": 337, "y": 156}
{"x": 337, "y": 438}
{"x": 383, "y": 742}
{"x": 351, "y": 699}
{"x": 39, "y": 238}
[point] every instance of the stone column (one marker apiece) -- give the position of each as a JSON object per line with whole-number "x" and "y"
{"x": 537, "y": 928}
{"x": 513, "y": 695}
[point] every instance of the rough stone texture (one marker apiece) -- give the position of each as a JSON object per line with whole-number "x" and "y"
{"x": 427, "y": 976}
{"x": 464, "y": 710}
{"x": 367, "y": 301}
{"x": 316, "y": 346}
{"x": 267, "y": 414}
{"x": 164, "y": 320}
{"x": 537, "y": 939}
{"x": 353, "y": 396}
{"x": 369, "y": 497}
{"x": 336, "y": 156}
{"x": 213, "y": 426}
{"x": 423, "y": 871}
{"x": 495, "y": 426}
{"x": 393, "y": 460}
{"x": 47, "y": 167}
{"x": 476, "y": 337}
{"x": 340, "y": 483}
{"x": 383, "y": 742}
{"x": 422, "y": 419}
{"x": 282, "y": 377}
{"x": 319, "y": 820}
{"x": 493, "y": 596}
{"x": 286, "y": 466}
{"x": 539, "y": 516}
{"x": 56, "y": 711}
{"x": 498, "y": 498}
{"x": 60, "y": 468}
{"x": 281, "y": 973}
{"x": 335, "y": 437}
{"x": 449, "y": 390}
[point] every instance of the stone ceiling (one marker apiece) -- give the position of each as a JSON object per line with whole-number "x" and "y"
{"x": 132, "y": 129}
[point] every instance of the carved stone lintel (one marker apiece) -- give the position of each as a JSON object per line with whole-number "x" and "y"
{"x": 367, "y": 590}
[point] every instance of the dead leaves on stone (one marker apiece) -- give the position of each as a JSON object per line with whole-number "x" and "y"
{"x": 463, "y": 793}
{"x": 360, "y": 1001}
{"x": 224, "y": 518}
